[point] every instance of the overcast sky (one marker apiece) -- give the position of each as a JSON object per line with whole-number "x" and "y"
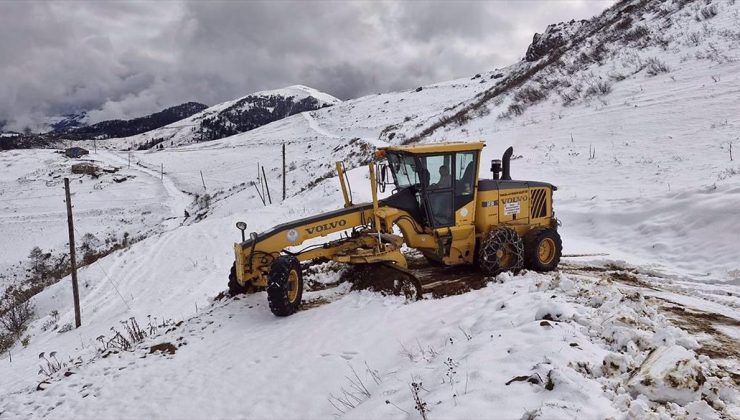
{"x": 127, "y": 59}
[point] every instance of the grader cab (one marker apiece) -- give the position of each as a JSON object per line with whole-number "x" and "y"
{"x": 438, "y": 205}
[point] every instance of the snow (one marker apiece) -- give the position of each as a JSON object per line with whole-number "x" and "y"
{"x": 647, "y": 329}
{"x": 669, "y": 374}
{"x": 34, "y": 212}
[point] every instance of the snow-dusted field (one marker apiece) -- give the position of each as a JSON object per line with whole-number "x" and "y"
{"x": 559, "y": 346}
{"x": 649, "y": 328}
{"x": 33, "y": 210}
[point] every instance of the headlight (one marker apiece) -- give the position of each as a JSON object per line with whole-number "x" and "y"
{"x": 241, "y": 225}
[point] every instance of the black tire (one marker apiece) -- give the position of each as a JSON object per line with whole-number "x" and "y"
{"x": 502, "y": 250}
{"x": 234, "y": 287}
{"x": 285, "y": 286}
{"x": 542, "y": 249}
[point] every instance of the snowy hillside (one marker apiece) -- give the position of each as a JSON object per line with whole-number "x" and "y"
{"x": 231, "y": 117}
{"x": 631, "y": 114}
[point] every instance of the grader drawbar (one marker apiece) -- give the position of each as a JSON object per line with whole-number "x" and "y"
{"x": 439, "y": 206}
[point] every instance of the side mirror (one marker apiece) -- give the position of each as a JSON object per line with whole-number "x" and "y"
{"x": 383, "y": 177}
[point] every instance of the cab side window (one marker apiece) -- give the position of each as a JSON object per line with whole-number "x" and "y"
{"x": 440, "y": 171}
{"x": 465, "y": 172}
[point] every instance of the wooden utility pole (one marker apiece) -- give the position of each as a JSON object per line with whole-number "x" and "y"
{"x": 72, "y": 260}
{"x": 267, "y": 186}
{"x": 161, "y": 171}
{"x": 203, "y": 180}
{"x": 262, "y": 182}
{"x": 283, "y": 171}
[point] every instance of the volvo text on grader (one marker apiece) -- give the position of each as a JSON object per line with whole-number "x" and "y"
{"x": 439, "y": 206}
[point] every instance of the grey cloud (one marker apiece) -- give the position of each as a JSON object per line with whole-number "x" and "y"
{"x": 124, "y": 59}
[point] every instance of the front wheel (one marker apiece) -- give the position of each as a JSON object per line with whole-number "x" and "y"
{"x": 285, "y": 286}
{"x": 542, "y": 249}
{"x": 234, "y": 287}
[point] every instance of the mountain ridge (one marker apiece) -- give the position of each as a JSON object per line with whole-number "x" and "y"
{"x": 231, "y": 117}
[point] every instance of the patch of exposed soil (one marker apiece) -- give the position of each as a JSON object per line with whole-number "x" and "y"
{"x": 448, "y": 281}
{"x": 611, "y": 272}
{"x": 627, "y": 277}
{"x": 164, "y": 348}
{"x": 576, "y": 268}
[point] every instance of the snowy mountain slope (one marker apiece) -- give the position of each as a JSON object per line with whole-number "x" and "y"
{"x": 134, "y": 126}
{"x": 231, "y": 117}
{"x": 617, "y": 202}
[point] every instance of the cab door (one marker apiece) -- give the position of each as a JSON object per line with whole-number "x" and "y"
{"x": 450, "y": 203}
{"x": 439, "y": 189}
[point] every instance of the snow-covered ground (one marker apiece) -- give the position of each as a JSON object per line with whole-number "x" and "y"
{"x": 649, "y": 328}
{"x": 33, "y": 210}
{"x": 560, "y": 346}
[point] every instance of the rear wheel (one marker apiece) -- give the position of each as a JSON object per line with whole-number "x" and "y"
{"x": 502, "y": 250}
{"x": 542, "y": 249}
{"x": 285, "y": 286}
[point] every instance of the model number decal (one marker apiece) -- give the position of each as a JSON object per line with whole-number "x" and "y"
{"x": 492, "y": 203}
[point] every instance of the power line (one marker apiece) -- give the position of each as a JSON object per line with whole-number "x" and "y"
{"x": 105, "y": 276}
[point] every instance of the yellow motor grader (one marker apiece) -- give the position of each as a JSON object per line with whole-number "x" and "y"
{"x": 438, "y": 206}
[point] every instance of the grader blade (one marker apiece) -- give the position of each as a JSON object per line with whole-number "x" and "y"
{"x": 386, "y": 277}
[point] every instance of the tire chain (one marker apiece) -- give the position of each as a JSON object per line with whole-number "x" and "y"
{"x": 497, "y": 238}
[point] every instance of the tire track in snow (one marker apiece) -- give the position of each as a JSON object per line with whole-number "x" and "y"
{"x": 314, "y": 125}
{"x": 178, "y": 200}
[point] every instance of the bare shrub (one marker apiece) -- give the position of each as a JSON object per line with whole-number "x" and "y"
{"x": 707, "y": 12}
{"x": 354, "y": 394}
{"x": 529, "y": 95}
{"x": 203, "y": 201}
{"x": 514, "y": 110}
{"x": 637, "y": 33}
{"x": 656, "y": 67}
{"x": 624, "y": 24}
{"x": 15, "y": 315}
{"x": 598, "y": 53}
{"x": 617, "y": 77}
{"x": 6, "y": 341}
{"x": 664, "y": 41}
{"x": 132, "y": 334}
{"x": 694, "y": 38}
{"x": 598, "y": 88}
{"x": 482, "y": 111}
{"x": 419, "y": 404}
{"x": 568, "y": 97}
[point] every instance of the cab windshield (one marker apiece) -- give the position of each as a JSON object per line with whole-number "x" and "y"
{"x": 404, "y": 170}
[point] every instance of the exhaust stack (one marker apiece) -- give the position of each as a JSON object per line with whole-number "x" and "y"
{"x": 506, "y": 165}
